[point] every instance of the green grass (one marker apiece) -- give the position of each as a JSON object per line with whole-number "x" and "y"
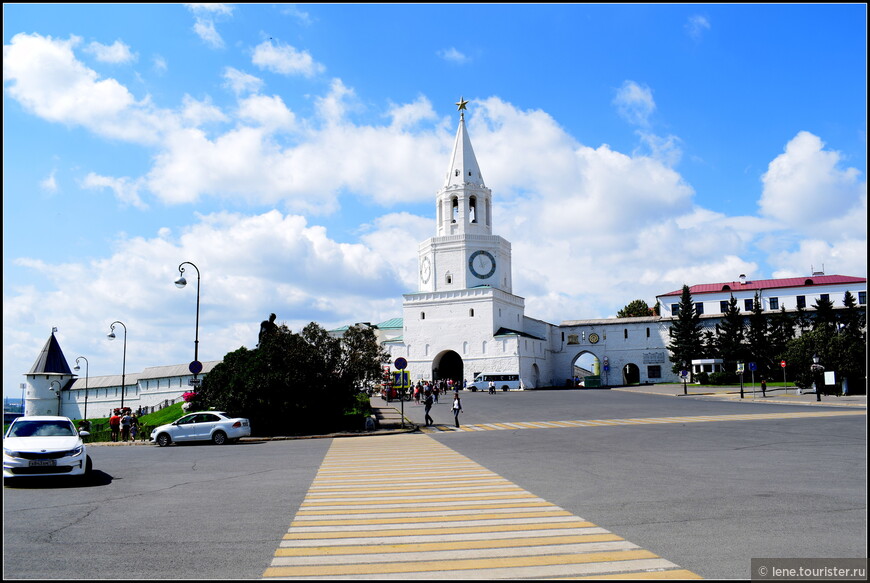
{"x": 100, "y": 427}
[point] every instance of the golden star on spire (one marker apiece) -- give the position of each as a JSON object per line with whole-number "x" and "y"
{"x": 461, "y": 103}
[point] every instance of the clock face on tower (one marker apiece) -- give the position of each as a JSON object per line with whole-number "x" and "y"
{"x": 482, "y": 264}
{"x": 425, "y": 269}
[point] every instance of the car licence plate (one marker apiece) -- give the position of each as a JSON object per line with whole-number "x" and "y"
{"x": 39, "y": 463}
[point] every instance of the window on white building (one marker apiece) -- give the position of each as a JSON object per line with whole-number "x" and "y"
{"x": 774, "y": 303}
{"x": 862, "y": 298}
{"x": 747, "y": 305}
{"x": 802, "y": 301}
{"x": 699, "y": 308}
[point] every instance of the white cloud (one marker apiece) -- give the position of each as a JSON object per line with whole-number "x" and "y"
{"x": 204, "y": 27}
{"x": 118, "y": 52}
{"x": 241, "y": 82}
{"x": 268, "y": 112}
{"x": 285, "y": 60}
{"x": 696, "y": 25}
{"x": 635, "y": 103}
{"x": 47, "y": 79}
{"x": 453, "y": 55}
{"x": 807, "y": 188}
{"x": 159, "y": 64}
{"x": 49, "y": 184}
{"x": 196, "y": 113}
{"x": 125, "y": 189}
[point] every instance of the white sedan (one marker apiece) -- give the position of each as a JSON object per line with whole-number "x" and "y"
{"x": 44, "y": 446}
{"x": 214, "y": 426}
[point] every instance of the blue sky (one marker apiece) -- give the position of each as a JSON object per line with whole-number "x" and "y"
{"x": 293, "y": 153}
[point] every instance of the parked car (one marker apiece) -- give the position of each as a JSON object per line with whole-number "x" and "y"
{"x": 44, "y": 445}
{"x": 215, "y": 426}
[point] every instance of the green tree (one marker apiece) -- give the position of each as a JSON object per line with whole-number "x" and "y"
{"x": 824, "y": 314}
{"x": 685, "y": 332}
{"x": 758, "y": 339}
{"x": 781, "y": 332}
{"x": 635, "y": 309}
{"x": 851, "y": 344}
{"x": 731, "y": 335}
{"x": 292, "y": 383}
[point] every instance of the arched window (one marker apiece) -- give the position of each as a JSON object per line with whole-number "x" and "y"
{"x": 422, "y": 315}
{"x": 472, "y": 209}
{"x": 471, "y": 312}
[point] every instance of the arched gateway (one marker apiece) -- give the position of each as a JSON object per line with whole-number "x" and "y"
{"x": 448, "y": 365}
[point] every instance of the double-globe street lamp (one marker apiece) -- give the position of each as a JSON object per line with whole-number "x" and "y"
{"x": 195, "y": 366}
{"x": 77, "y": 367}
{"x": 111, "y": 336}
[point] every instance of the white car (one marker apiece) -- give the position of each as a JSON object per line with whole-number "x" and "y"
{"x": 214, "y": 426}
{"x": 44, "y": 446}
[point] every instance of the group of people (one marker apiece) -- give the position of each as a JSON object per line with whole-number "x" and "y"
{"x": 123, "y": 425}
{"x": 430, "y": 397}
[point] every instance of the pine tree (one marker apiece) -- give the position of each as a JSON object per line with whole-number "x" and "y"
{"x": 730, "y": 339}
{"x": 758, "y": 338}
{"x": 685, "y": 334}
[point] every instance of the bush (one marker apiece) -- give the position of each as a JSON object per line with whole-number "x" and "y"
{"x": 723, "y": 378}
{"x": 703, "y": 378}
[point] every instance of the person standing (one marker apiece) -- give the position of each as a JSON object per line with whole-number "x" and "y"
{"x": 114, "y": 425}
{"x": 763, "y": 388}
{"x": 457, "y": 407}
{"x": 428, "y": 403}
{"x": 126, "y": 421}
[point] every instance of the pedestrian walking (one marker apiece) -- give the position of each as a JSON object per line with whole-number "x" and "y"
{"x": 491, "y": 388}
{"x": 457, "y": 407}
{"x": 428, "y": 403}
{"x": 763, "y": 388}
{"x": 114, "y": 425}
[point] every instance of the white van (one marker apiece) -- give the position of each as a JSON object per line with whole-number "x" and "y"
{"x": 502, "y": 381}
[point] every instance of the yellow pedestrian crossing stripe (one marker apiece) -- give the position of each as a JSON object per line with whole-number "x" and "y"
{"x": 635, "y": 421}
{"x": 409, "y": 507}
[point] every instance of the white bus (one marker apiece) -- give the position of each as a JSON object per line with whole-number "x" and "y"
{"x": 502, "y": 381}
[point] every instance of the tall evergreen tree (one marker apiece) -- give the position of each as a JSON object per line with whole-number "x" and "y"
{"x": 758, "y": 338}
{"x": 685, "y": 334}
{"x": 782, "y": 330}
{"x": 824, "y": 314}
{"x": 730, "y": 340}
{"x": 851, "y": 345}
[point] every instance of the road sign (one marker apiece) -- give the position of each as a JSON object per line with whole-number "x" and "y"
{"x": 684, "y": 373}
{"x": 782, "y": 363}
{"x": 752, "y": 366}
{"x": 401, "y": 363}
{"x": 194, "y": 382}
{"x": 740, "y": 367}
{"x": 195, "y": 367}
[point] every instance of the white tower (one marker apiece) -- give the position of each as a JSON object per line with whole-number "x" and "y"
{"x": 47, "y": 380}
{"x": 464, "y": 319}
{"x": 464, "y": 253}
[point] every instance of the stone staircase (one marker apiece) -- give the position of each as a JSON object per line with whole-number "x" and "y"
{"x": 388, "y": 417}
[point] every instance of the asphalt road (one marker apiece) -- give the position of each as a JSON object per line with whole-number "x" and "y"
{"x": 708, "y": 496}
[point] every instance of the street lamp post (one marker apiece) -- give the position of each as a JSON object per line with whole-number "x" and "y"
{"x": 77, "y": 367}
{"x": 180, "y": 283}
{"x": 817, "y": 369}
{"x": 58, "y": 394}
{"x": 111, "y": 336}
